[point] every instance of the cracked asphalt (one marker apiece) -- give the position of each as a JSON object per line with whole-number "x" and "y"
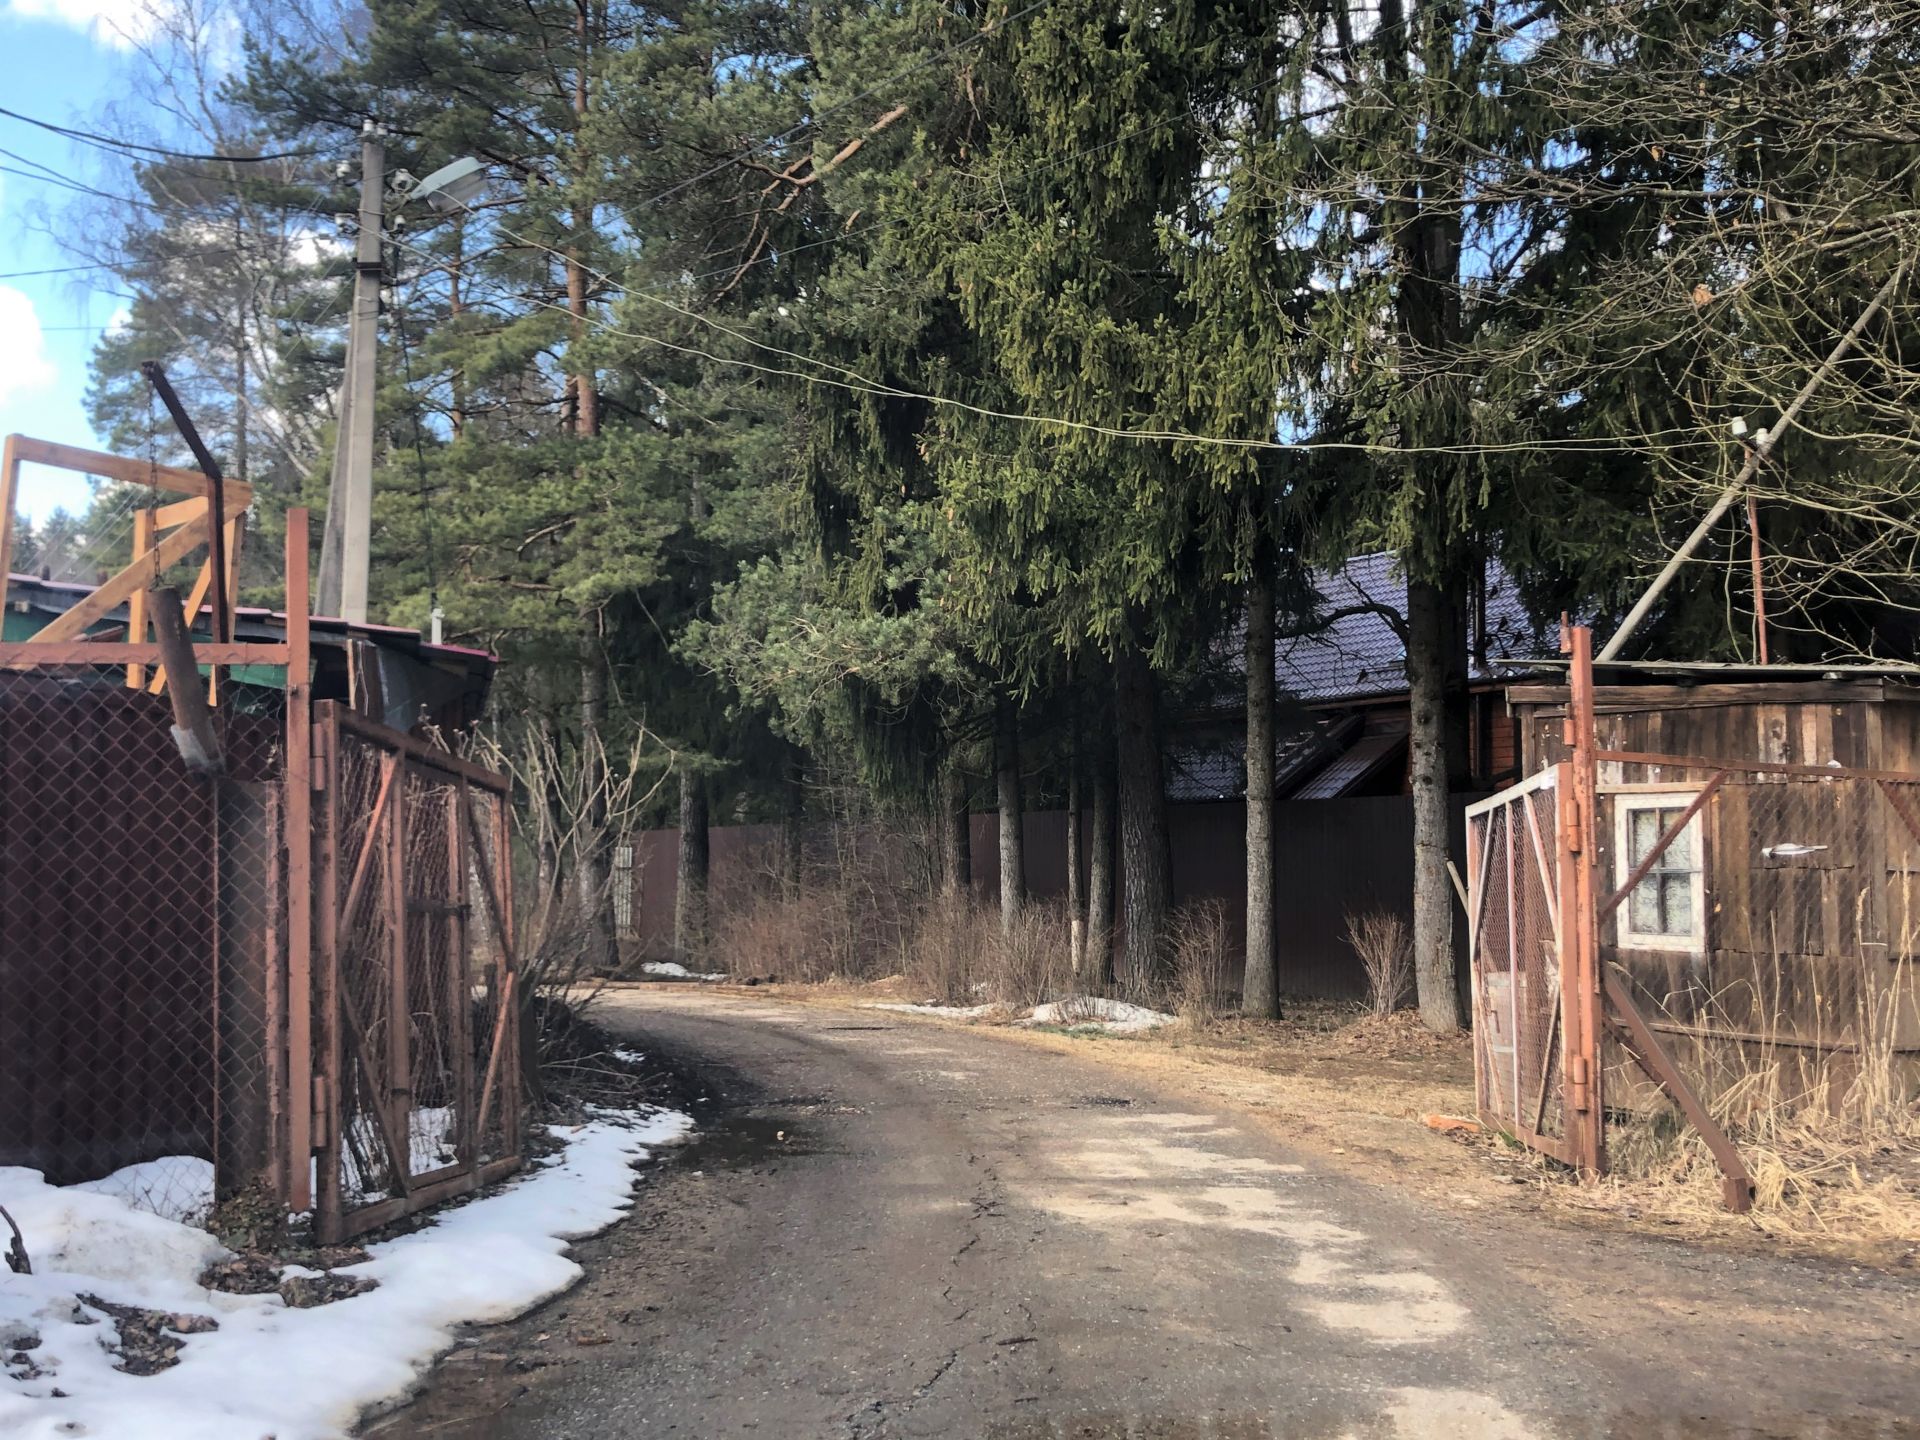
{"x": 894, "y": 1228}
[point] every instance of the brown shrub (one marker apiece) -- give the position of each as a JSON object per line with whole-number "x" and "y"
{"x": 1385, "y": 947}
{"x": 1200, "y": 942}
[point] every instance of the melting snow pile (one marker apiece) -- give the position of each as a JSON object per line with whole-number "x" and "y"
{"x": 1080, "y": 1012}
{"x": 668, "y": 970}
{"x": 952, "y": 1012}
{"x": 1093, "y": 1012}
{"x": 267, "y": 1370}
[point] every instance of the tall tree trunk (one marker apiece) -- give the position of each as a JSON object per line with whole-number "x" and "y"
{"x": 1428, "y": 630}
{"x": 1146, "y": 865}
{"x": 596, "y": 853}
{"x": 690, "y": 894}
{"x": 958, "y": 822}
{"x": 1099, "y": 946}
{"x": 793, "y": 824}
{"x": 1013, "y": 845}
{"x": 1076, "y": 900}
{"x": 1260, "y": 986}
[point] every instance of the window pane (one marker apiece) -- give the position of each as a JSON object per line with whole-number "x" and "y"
{"x": 1676, "y": 903}
{"x": 1645, "y": 829}
{"x": 1679, "y": 855}
{"x": 1644, "y": 908}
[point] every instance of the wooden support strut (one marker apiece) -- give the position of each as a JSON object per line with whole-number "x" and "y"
{"x": 1644, "y": 1045}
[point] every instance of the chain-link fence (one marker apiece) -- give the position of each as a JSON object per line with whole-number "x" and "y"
{"x": 142, "y": 976}
{"x": 1515, "y": 920}
{"x": 163, "y": 1034}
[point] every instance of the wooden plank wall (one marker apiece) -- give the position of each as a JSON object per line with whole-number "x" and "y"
{"x": 1801, "y": 947}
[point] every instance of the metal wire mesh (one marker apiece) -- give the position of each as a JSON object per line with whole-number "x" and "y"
{"x": 420, "y": 980}
{"x": 1771, "y": 941}
{"x": 141, "y": 935}
{"x": 1518, "y": 1030}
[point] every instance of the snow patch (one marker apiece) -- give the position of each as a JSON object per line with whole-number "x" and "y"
{"x": 1117, "y": 1017}
{"x": 952, "y": 1012}
{"x": 672, "y": 971}
{"x": 270, "y": 1370}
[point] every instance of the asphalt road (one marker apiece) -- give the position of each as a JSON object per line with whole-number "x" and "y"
{"x": 895, "y": 1228}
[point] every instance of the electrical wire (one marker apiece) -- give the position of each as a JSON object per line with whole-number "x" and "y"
{"x": 863, "y": 385}
{"x": 115, "y": 145}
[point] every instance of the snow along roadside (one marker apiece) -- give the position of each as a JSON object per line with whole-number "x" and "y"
{"x": 1077, "y": 1012}
{"x": 268, "y": 1369}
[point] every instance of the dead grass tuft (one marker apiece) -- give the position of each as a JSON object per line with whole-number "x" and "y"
{"x": 1385, "y": 946}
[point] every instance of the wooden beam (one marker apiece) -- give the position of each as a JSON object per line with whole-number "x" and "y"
{"x": 30, "y": 655}
{"x": 140, "y": 575}
{"x": 170, "y": 478}
{"x": 1651, "y": 1056}
{"x": 421, "y": 751}
{"x": 143, "y": 528}
{"x": 181, "y": 511}
{"x": 192, "y": 720}
{"x": 9, "y": 484}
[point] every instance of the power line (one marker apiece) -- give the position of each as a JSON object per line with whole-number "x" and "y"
{"x": 114, "y": 145}
{"x": 863, "y": 385}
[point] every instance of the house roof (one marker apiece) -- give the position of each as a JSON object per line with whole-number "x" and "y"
{"x": 1359, "y": 656}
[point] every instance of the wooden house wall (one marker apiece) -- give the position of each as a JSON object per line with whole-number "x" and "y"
{"x": 1805, "y": 950}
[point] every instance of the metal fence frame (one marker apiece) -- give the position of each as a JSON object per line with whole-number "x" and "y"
{"x": 423, "y": 856}
{"x": 301, "y": 962}
{"x": 1595, "y": 1002}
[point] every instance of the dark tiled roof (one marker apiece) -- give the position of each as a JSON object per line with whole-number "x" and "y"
{"x": 1358, "y": 655}
{"x": 1215, "y": 768}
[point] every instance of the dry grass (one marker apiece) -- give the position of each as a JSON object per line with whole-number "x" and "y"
{"x": 1831, "y": 1136}
{"x": 1385, "y": 947}
{"x": 1201, "y": 985}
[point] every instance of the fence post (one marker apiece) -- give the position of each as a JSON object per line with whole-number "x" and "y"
{"x": 399, "y": 1077}
{"x": 1585, "y": 1103}
{"x": 297, "y": 816}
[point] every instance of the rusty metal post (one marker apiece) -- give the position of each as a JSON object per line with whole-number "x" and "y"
{"x": 216, "y": 480}
{"x": 399, "y": 1076}
{"x": 503, "y": 873}
{"x": 1585, "y": 1103}
{"x": 460, "y": 969}
{"x": 297, "y": 816}
{"x": 1759, "y": 580}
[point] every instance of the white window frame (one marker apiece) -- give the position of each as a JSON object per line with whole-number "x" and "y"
{"x": 1625, "y": 805}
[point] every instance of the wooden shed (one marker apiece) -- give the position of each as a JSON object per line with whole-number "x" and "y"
{"x": 1769, "y": 823}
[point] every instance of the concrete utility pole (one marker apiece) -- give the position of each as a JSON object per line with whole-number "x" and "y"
{"x": 349, "y": 535}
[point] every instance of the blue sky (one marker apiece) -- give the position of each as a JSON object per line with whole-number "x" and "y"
{"x": 62, "y": 61}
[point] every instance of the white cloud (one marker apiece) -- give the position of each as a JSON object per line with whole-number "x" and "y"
{"x": 110, "y": 22}
{"x": 24, "y": 366}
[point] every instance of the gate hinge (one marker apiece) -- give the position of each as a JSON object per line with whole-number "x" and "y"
{"x": 317, "y": 770}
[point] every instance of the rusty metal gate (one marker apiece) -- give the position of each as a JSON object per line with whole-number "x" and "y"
{"x": 1537, "y": 1008}
{"x": 415, "y": 1066}
{"x": 1520, "y": 985}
